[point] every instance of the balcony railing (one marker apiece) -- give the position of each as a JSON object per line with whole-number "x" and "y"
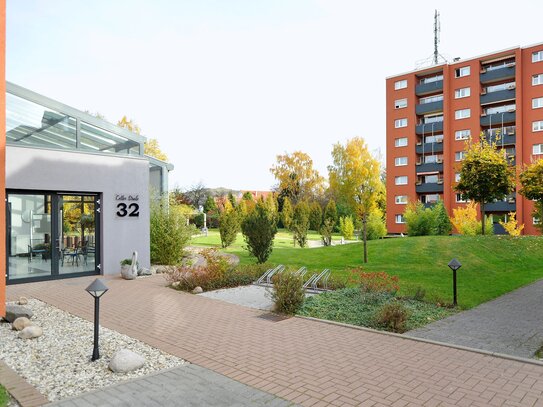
{"x": 429, "y": 167}
{"x": 428, "y": 88}
{"x": 429, "y": 128}
{"x": 498, "y": 74}
{"x": 499, "y": 96}
{"x": 429, "y": 148}
{"x": 498, "y": 119}
{"x": 429, "y": 187}
{"x": 431, "y": 107}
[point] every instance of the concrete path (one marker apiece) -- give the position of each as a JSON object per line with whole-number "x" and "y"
{"x": 307, "y": 362}
{"x": 511, "y": 324}
{"x": 188, "y": 385}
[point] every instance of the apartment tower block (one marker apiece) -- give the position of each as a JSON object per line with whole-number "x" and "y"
{"x": 431, "y": 112}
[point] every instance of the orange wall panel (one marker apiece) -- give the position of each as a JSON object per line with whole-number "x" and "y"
{"x": 2, "y": 156}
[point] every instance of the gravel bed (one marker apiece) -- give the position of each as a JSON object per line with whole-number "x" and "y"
{"x": 58, "y": 362}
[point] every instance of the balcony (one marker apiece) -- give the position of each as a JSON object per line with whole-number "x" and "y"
{"x": 429, "y": 167}
{"x": 502, "y": 140}
{"x": 501, "y": 206}
{"x": 429, "y": 187}
{"x": 495, "y": 75}
{"x": 499, "y": 96}
{"x": 497, "y": 119}
{"x": 428, "y": 88}
{"x": 429, "y": 127}
{"x": 432, "y": 107}
{"x": 429, "y": 148}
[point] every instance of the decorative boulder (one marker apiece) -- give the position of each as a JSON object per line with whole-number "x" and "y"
{"x": 158, "y": 269}
{"x": 144, "y": 272}
{"x": 197, "y": 290}
{"x": 15, "y": 311}
{"x": 22, "y": 301}
{"x": 124, "y": 361}
{"x": 21, "y": 323}
{"x": 30, "y": 332}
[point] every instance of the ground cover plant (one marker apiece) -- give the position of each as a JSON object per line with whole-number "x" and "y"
{"x": 4, "y": 397}
{"x": 491, "y": 265}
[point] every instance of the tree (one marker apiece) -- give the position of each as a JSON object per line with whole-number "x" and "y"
{"x": 330, "y": 212}
{"x": 232, "y": 199}
{"x": 355, "y": 178}
{"x": 300, "y": 223}
{"x": 512, "y": 227}
{"x": 531, "y": 181}
{"x": 152, "y": 149}
{"x": 248, "y": 196}
{"x": 296, "y": 176}
{"x": 129, "y": 124}
{"x": 196, "y": 194}
{"x": 346, "y": 227}
{"x": 286, "y": 213}
{"x": 259, "y": 228}
{"x": 442, "y": 223}
{"x": 485, "y": 175}
{"x": 209, "y": 204}
{"x": 229, "y": 225}
{"x": 315, "y": 216}
{"x": 376, "y": 225}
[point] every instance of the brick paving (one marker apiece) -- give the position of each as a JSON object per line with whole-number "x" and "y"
{"x": 306, "y": 362}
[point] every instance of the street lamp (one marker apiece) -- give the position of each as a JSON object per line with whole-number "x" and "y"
{"x": 454, "y": 265}
{"x": 96, "y": 289}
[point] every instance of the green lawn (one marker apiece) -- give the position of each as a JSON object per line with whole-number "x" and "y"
{"x": 491, "y": 265}
{"x": 4, "y": 397}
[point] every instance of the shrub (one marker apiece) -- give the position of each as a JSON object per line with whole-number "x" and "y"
{"x": 288, "y": 292}
{"x": 375, "y": 225}
{"x": 330, "y": 212}
{"x": 346, "y": 227}
{"x": 228, "y": 227}
{"x": 511, "y": 226}
{"x": 259, "y": 228}
{"x": 441, "y": 221}
{"x": 300, "y": 223}
{"x": 326, "y": 231}
{"x": 169, "y": 233}
{"x": 286, "y": 213}
{"x": 315, "y": 217}
{"x": 376, "y": 281}
{"x": 197, "y": 220}
{"x": 419, "y": 220}
{"x": 466, "y": 223}
{"x": 393, "y": 316}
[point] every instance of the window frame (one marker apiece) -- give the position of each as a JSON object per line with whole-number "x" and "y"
{"x": 397, "y": 143}
{"x": 462, "y": 154}
{"x": 399, "y": 201}
{"x": 399, "y": 216}
{"x": 401, "y": 84}
{"x": 459, "y": 72}
{"x": 537, "y": 56}
{"x": 459, "y": 116}
{"x": 458, "y": 94}
{"x": 457, "y": 132}
{"x": 458, "y": 198}
{"x": 398, "y": 105}
{"x": 537, "y": 146}
{"x": 401, "y": 176}
{"x": 398, "y": 122}
{"x": 538, "y": 124}
{"x": 537, "y": 103}
{"x": 537, "y": 79}
{"x": 398, "y": 160}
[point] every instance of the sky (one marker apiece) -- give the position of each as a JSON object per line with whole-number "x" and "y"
{"x": 227, "y": 85}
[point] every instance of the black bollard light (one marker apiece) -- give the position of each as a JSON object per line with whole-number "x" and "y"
{"x": 96, "y": 289}
{"x": 454, "y": 265}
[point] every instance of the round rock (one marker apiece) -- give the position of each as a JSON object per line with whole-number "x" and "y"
{"x": 125, "y": 360}
{"x": 31, "y": 332}
{"x": 197, "y": 290}
{"x": 22, "y": 301}
{"x": 15, "y": 311}
{"x": 21, "y": 323}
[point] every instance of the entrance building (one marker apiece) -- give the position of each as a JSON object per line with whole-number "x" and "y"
{"x": 77, "y": 191}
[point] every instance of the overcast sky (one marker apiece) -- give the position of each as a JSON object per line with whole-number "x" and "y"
{"x": 225, "y": 86}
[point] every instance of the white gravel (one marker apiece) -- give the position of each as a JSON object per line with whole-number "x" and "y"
{"x": 252, "y": 296}
{"x": 58, "y": 362}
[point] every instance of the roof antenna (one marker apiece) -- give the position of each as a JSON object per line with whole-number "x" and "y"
{"x": 437, "y": 32}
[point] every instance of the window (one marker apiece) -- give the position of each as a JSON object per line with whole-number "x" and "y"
{"x": 400, "y": 123}
{"x": 401, "y": 199}
{"x": 462, "y": 93}
{"x": 462, "y": 134}
{"x": 537, "y": 56}
{"x": 537, "y": 79}
{"x": 436, "y": 138}
{"x": 459, "y": 155}
{"x": 537, "y": 126}
{"x": 401, "y": 180}
{"x": 459, "y": 72}
{"x": 431, "y": 159}
{"x": 400, "y": 84}
{"x": 461, "y": 198}
{"x": 400, "y": 103}
{"x": 536, "y": 220}
{"x": 457, "y": 177}
{"x": 431, "y": 99}
{"x": 537, "y": 149}
{"x": 399, "y": 161}
{"x": 431, "y": 179}
{"x": 400, "y": 142}
{"x": 462, "y": 114}
{"x": 400, "y": 219}
{"x": 537, "y": 103}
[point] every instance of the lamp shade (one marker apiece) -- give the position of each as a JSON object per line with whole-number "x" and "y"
{"x": 454, "y": 264}
{"x": 97, "y": 288}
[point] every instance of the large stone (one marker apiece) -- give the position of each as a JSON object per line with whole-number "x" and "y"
{"x": 16, "y": 311}
{"x": 125, "y": 360}
{"x": 21, "y": 323}
{"x": 144, "y": 272}
{"x": 22, "y": 301}
{"x": 159, "y": 269}
{"x": 198, "y": 290}
{"x": 30, "y": 332}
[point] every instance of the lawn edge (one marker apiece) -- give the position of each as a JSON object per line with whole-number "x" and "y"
{"x": 430, "y": 341}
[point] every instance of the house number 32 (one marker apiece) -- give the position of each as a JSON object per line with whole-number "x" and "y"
{"x": 132, "y": 210}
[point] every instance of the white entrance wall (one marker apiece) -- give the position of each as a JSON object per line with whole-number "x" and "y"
{"x": 60, "y": 171}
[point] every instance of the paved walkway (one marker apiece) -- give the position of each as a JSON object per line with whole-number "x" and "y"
{"x": 304, "y": 361}
{"x": 511, "y": 324}
{"x": 188, "y": 385}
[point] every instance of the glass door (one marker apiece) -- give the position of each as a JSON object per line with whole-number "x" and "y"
{"x": 52, "y": 235}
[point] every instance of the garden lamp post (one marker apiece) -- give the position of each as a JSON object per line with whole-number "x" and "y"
{"x": 454, "y": 265}
{"x": 96, "y": 289}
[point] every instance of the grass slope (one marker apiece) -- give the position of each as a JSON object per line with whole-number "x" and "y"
{"x": 491, "y": 265}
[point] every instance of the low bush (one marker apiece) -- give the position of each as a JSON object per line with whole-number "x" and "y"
{"x": 392, "y": 316}
{"x": 259, "y": 228}
{"x": 288, "y": 292}
{"x": 346, "y": 227}
{"x": 229, "y": 226}
{"x": 375, "y": 226}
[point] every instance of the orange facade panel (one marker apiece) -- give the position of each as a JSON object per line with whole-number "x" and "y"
{"x": 2, "y": 155}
